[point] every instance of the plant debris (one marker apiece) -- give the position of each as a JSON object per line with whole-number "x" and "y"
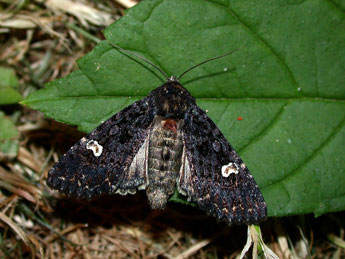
{"x": 41, "y": 40}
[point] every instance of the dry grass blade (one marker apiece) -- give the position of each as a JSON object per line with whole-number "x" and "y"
{"x": 284, "y": 246}
{"x": 82, "y": 11}
{"x": 339, "y": 242}
{"x": 127, "y": 3}
{"x": 16, "y": 184}
{"x": 65, "y": 231}
{"x": 19, "y": 22}
{"x": 28, "y": 159}
{"x": 18, "y": 230}
{"x": 122, "y": 247}
{"x": 193, "y": 249}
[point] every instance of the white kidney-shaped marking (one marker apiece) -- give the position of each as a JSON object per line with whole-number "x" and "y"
{"x": 96, "y": 148}
{"x": 229, "y": 169}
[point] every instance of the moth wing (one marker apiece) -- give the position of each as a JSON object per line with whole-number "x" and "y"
{"x": 112, "y": 158}
{"x": 214, "y": 176}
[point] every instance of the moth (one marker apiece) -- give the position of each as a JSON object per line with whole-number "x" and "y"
{"x": 161, "y": 143}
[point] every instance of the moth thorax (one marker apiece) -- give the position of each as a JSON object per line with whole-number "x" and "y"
{"x": 174, "y": 107}
{"x": 164, "y": 160}
{"x": 172, "y": 100}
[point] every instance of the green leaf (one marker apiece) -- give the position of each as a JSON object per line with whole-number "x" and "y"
{"x": 8, "y": 78}
{"x": 8, "y": 138}
{"x": 286, "y": 82}
{"x": 8, "y": 83}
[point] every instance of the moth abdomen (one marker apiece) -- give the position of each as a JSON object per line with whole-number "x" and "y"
{"x": 164, "y": 160}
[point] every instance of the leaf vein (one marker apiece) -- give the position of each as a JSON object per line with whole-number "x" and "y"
{"x": 265, "y": 130}
{"x": 267, "y": 46}
{"x": 312, "y": 155}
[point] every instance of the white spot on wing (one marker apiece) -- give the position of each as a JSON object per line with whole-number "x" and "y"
{"x": 229, "y": 169}
{"x": 96, "y": 148}
{"x": 142, "y": 187}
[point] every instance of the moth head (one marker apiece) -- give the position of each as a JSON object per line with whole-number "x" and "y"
{"x": 172, "y": 99}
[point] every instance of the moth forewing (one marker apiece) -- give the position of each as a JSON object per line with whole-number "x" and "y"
{"x": 84, "y": 172}
{"x": 231, "y": 194}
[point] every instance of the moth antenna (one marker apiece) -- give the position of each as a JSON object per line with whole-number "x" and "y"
{"x": 208, "y": 60}
{"x": 138, "y": 56}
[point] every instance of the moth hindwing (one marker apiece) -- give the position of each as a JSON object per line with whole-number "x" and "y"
{"x": 162, "y": 143}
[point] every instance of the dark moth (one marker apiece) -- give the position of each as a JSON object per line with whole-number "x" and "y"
{"x": 162, "y": 143}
